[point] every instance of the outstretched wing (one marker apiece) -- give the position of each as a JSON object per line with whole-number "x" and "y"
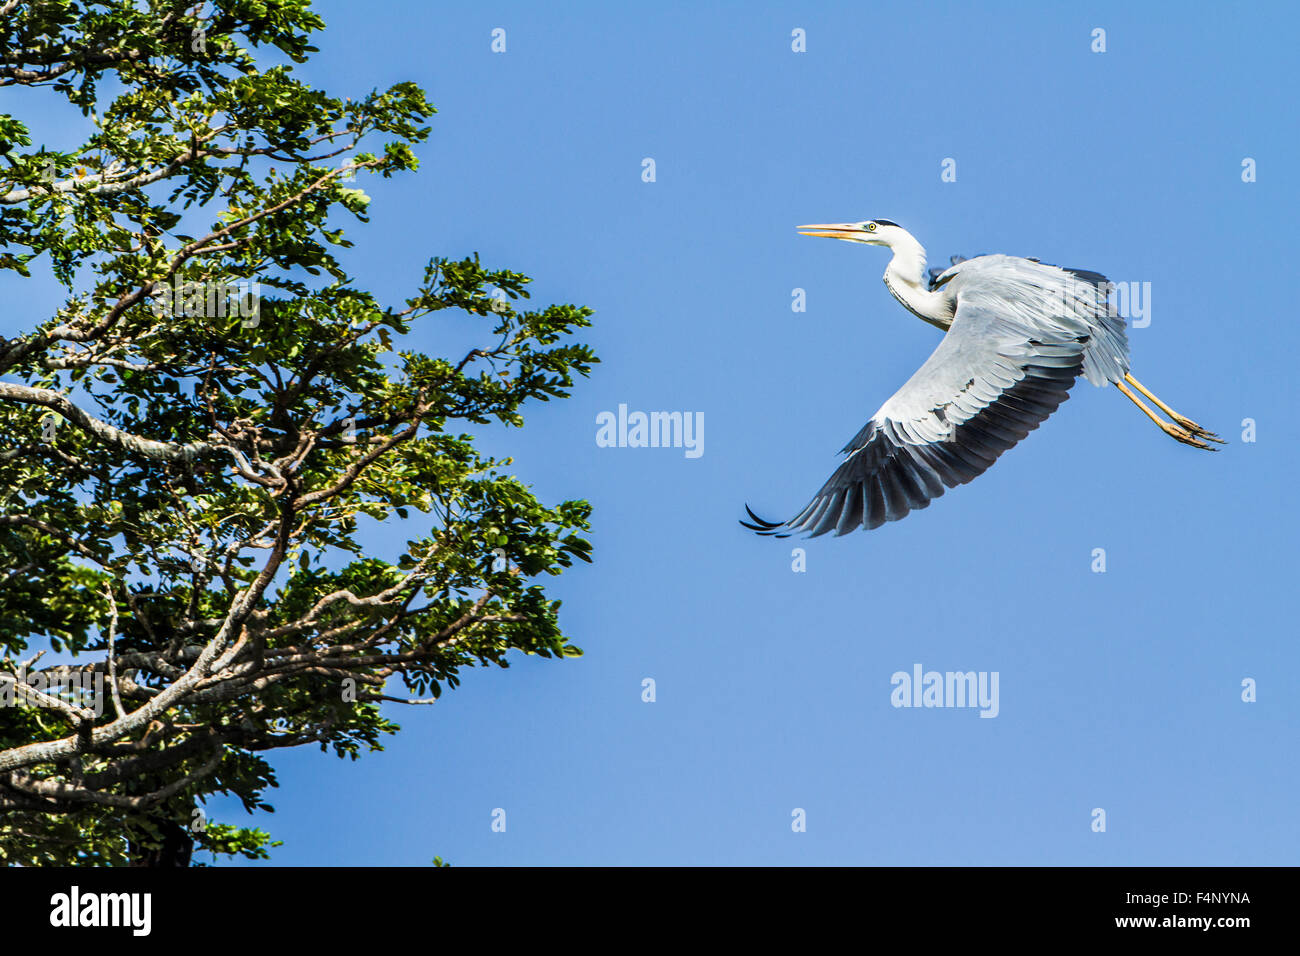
{"x": 1007, "y": 362}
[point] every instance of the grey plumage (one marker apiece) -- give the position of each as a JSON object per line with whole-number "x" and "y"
{"x": 1019, "y": 334}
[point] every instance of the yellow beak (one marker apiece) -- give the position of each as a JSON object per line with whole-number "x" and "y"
{"x": 833, "y": 230}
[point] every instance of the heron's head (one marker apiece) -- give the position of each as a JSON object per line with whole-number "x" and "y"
{"x": 874, "y": 232}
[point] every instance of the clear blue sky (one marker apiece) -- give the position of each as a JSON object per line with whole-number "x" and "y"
{"x": 1119, "y": 690}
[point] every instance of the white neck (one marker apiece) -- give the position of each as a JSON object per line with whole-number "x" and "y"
{"x": 905, "y": 279}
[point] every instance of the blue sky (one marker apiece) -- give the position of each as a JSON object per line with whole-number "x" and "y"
{"x": 1119, "y": 690}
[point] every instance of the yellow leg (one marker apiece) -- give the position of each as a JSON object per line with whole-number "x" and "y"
{"x": 1173, "y": 431}
{"x": 1185, "y": 423}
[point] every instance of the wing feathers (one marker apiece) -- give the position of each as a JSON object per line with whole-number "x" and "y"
{"x": 994, "y": 379}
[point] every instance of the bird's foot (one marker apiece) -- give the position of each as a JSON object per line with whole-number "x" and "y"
{"x": 1186, "y": 436}
{"x": 1187, "y": 425}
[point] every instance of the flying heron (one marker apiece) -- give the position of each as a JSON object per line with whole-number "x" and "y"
{"x": 1019, "y": 333}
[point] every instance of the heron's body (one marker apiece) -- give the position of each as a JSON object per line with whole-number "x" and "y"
{"x": 1019, "y": 333}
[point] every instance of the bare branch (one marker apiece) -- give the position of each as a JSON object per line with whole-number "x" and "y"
{"x": 145, "y": 447}
{"x": 112, "y": 651}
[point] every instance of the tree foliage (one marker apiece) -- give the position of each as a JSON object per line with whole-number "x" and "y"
{"x": 190, "y": 446}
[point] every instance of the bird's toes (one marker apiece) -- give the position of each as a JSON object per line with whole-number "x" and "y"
{"x": 1199, "y": 430}
{"x": 1183, "y": 435}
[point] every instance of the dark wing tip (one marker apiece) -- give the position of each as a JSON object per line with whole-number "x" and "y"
{"x": 762, "y": 525}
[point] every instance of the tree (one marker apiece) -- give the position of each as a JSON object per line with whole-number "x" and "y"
{"x": 189, "y": 446}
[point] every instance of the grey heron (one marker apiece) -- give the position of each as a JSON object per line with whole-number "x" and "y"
{"x": 1018, "y": 334}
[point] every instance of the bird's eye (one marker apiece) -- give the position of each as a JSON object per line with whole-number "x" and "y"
{"x": 871, "y": 227}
